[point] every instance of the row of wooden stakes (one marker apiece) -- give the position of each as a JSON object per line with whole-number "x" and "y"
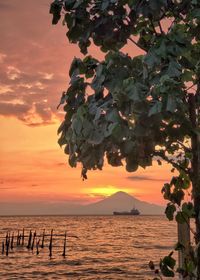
{"x": 34, "y": 241}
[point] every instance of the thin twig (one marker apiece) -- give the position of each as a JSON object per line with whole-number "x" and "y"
{"x": 154, "y": 29}
{"x": 160, "y": 26}
{"x": 174, "y": 164}
{"x": 138, "y": 45}
{"x": 191, "y": 86}
{"x": 183, "y": 146}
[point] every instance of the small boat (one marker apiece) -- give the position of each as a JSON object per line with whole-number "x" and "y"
{"x": 133, "y": 212}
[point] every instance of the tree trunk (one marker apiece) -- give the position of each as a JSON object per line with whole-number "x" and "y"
{"x": 195, "y": 170}
{"x": 196, "y": 198}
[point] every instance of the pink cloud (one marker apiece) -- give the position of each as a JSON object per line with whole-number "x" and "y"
{"x": 34, "y": 62}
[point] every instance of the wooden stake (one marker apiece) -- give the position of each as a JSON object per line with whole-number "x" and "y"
{"x": 29, "y": 240}
{"x": 20, "y": 239}
{"x": 12, "y": 241}
{"x": 37, "y": 247}
{"x": 23, "y": 237}
{"x": 51, "y": 244}
{"x": 33, "y": 243}
{"x": 7, "y": 244}
{"x": 64, "y": 248}
{"x": 184, "y": 241}
{"x": 42, "y": 245}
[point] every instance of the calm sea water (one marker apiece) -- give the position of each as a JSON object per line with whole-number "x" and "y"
{"x": 106, "y": 247}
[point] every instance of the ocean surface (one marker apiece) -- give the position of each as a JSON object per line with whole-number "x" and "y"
{"x": 98, "y": 247}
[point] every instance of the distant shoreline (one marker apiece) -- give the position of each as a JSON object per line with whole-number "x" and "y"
{"x": 79, "y": 215}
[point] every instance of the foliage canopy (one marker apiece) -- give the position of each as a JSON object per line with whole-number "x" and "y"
{"x": 133, "y": 109}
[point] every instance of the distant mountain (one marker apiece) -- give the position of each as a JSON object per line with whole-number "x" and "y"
{"x": 121, "y": 201}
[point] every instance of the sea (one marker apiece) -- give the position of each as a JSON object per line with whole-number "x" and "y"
{"x": 97, "y": 247}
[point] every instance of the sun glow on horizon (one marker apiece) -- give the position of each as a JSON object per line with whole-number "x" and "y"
{"x": 104, "y": 191}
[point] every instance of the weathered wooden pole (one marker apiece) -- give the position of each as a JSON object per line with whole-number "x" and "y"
{"x": 23, "y": 237}
{"x": 29, "y": 240}
{"x": 12, "y": 241}
{"x": 20, "y": 236}
{"x": 33, "y": 243}
{"x": 7, "y": 244}
{"x": 51, "y": 244}
{"x": 184, "y": 241}
{"x": 42, "y": 245}
{"x": 37, "y": 247}
{"x": 64, "y": 248}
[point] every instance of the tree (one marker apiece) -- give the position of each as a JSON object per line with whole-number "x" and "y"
{"x": 134, "y": 110}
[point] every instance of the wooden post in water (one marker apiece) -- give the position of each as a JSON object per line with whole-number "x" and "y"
{"x": 184, "y": 241}
{"x": 29, "y": 240}
{"x": 51, "y": 244}
{"x": 33, "y": 243}
{"x": 64, "y": 248}
{"x": 7, "y": 244}
{"x": 23, "y": 237}
{"x": 12, "y": 241}
{"x": 42, "y": 245}
{"x": 20, "y": 236}
{"x": 37, "y": 247}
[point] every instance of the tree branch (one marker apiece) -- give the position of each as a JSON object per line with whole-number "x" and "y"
{"x": 160, "y": 26}
{"x": 174, "y": 164}
{"x": 184, "y": 147}
{"x": 154, "y": 29}
{"x": 191, "y": 86}
{"x": 138, "y": 45}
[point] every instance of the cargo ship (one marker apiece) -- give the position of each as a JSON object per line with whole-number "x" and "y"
{"x": 133, "y": 212}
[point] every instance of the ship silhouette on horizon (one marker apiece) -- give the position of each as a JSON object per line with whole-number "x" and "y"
{"x": 133, "y": 212}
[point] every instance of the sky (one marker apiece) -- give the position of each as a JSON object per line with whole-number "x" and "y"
{"x": 35, "y": 57}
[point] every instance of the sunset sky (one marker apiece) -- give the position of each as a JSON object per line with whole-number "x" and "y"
{"x": 34, "y": 62}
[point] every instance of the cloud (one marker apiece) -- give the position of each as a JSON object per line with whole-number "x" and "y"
{"x": 46, "y": 76}
{"x": 145, "y": 178}
{"x": 34, "y": 185}
{"x": 13, "y": 73}
{"x": 2, "y": 55}
{"x": 7, "y": 188}
{"x": 32, "y": 70}
{"x": 9, "y": 109}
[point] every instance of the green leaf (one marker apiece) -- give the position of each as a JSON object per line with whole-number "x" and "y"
{"x": 166, "y": 190}
{"x": 96, "y": 137}
{"x": 167, "y": 265}
{"x": 155, "y": 109}
{"x": 179, "y": 247}
{"x": 196, "y": 13}
{"x": 151, "y": 265}
{"x": 174, "y": 69}
{"x": 169, "y": 211}
{"x": 188, "y": 209}
{"x": 181, "y": 218}
{"x": 177, "y": 196}
{"x": 169, "y": 261}
{"x": 77, "y": 126}
{"x": 55, "y": 9}
{"x": 171, "y": 104}
{"x": 131, "y": 164}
